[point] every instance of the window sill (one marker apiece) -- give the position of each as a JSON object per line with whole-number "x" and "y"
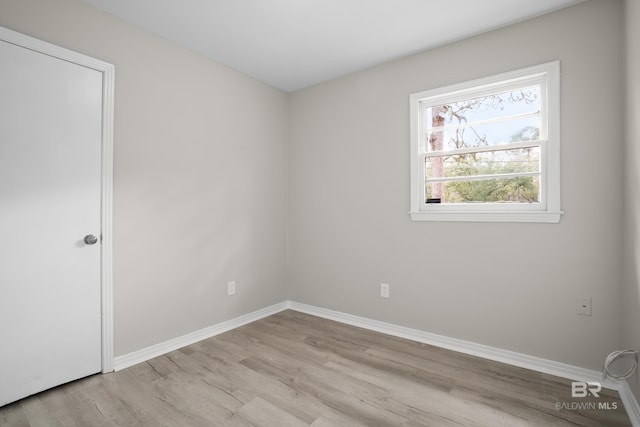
{"x": 484, "y": 216}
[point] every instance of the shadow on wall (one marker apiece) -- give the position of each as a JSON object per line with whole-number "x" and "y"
{"x": 631, "y": 284}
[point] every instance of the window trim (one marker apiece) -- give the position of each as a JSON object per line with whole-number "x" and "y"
{"x": 548, "y": 210}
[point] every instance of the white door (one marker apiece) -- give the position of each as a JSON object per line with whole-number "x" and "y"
{"x": 50, "y": 157}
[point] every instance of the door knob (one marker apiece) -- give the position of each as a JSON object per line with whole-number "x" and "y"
{"x": 90, "y": 239}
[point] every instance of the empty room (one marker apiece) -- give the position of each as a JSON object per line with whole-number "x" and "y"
{"x": 319, "y": 213}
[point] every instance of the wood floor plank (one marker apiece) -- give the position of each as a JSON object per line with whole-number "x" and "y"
{"x": 293, "y": 369}
{"x": 323, "y": 422}
{"x": 261, "y": 413}
{"x": 13, "y": 415}
{"x": 431, "y": 405}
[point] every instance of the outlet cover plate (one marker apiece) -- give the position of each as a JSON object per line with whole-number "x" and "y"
{"x": 384, "y": 290}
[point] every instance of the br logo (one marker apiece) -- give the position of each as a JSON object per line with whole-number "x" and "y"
{"x": 582, "y": 389}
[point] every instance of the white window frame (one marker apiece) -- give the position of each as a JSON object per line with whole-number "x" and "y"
{"x": 548, "y": 210}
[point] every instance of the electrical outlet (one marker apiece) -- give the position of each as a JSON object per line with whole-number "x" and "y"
{"x": 583, "y": 306}
{"x": 231, "y": 288}
{"x": 384, "y": 290}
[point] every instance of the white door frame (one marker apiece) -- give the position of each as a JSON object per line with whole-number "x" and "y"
{"x": 106, "y": 208}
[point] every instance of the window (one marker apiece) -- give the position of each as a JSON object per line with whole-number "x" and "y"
{"x": 488, "y": 149}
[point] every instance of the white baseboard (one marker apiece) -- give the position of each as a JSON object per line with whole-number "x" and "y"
{"x": 546, "y": 366}
{"x": 130, "y": 359}
{"x": 630, "y": 403}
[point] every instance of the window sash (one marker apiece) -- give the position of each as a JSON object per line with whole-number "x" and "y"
{"x": 488, "y": 206}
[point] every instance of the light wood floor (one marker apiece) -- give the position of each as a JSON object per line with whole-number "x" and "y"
{"x": 292, "y": 369}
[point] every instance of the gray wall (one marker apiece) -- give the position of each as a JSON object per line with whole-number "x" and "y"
{"x": 207, "y": 161}
{"x": 199, "y": 176}
{"x": 512, "y": 286}
{"x": 631, "y": 283}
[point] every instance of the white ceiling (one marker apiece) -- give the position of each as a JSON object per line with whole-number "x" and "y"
{"x": 292, "y": 44}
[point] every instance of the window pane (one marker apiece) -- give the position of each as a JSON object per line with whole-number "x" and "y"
{"x": 484, "y": 163}
{"x": 488, "y": 120}
{"x": 509, "y": 190}
{"x": 516, "y": 102}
